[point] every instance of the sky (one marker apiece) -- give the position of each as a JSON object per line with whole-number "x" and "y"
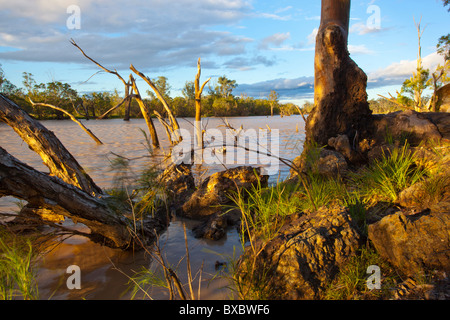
{"x": 263, "y": 45}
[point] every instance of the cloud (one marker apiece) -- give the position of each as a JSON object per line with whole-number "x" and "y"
{"x": 312, "y": 36}
{"x": 359, "y": 49}
{"x": 276, "y": 39}
{"x": 248, "y": 63}
{"x": 397, "y": 72}
{"x": 151, "y": 34}
{"x": 273, "y": 16}
{"x": 288, "y": 89}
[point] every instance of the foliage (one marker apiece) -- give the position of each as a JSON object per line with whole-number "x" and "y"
{"x": 351, "y": 282}
{"x": 17, "y": 268}
{"x": 386, "y": 177}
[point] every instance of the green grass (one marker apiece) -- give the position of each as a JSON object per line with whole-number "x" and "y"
{"x": 17, "y": 268}
{"x": 351, "y": 281}
{"x": 386, "y": 177}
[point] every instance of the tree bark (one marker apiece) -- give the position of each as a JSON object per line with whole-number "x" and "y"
{"x": 340, "y": 98}
{"x": 173, "y": 120}
{"x": 198, "y": 105}
{"x": 19, "y": 180}
{"x": 42, "y": 141}
{"x": 145, "y": 114}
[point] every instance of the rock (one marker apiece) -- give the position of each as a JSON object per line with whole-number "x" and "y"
{"x": 379, "y": 152}
{"x": 443, "y": 95}
{"x": 328, "y": 162}
{"x": 414, "y": 243}
{"x": 433, "y": 195}
{"x": 180, "y": 185}
{"x": 341, "y": 144}
{"x": 413, "y": 126}
{"x": 216, "y": 226}
{"x": 305, "y": 256}
{"x": 217, "y": 189}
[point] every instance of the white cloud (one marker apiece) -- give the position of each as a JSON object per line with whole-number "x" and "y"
{"x": 359, "y": 49}
{"x": 273, "y": 16}
{"x": 298, "y": 88}
{"x": 149, "y": 33}
{"x": 275, "y": 39}
{"x": 397, "y": 72}
{"x": 312, "y": 36}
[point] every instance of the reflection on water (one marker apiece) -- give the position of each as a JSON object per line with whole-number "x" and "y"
{"x": 99, "y": 277}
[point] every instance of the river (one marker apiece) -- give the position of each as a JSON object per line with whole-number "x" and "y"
{"x": 100, "y": 275}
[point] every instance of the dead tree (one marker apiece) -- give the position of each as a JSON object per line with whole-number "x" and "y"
{"x": 44, "y": 142}
{"x": 89, "y": 132}
{"x": 21, "y": 181}
{"x": 145, "y": 113}
{"x": 198, "y": 105}
{"x": 173, "y": 121}
{"x": 340, "y": 98}
{"x": 67, "y": 190}
{"x": 128, "y": 85}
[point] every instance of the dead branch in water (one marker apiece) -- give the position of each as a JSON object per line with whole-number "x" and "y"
{"x": 173, "y": 120}
{"x": 198, "y": 104}
{"x": 145, "y": 113}
{"x": 89, "y": 132}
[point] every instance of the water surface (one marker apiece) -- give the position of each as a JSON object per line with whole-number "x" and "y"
{"x": 100, "y": 278}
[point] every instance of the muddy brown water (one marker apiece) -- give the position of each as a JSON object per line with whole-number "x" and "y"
{"x": 99, "y": 265}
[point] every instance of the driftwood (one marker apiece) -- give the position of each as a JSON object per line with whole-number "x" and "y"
{"x": 44, "y": 142}
{"x": 89, "y": 132}
{"x": 19, "y": 180}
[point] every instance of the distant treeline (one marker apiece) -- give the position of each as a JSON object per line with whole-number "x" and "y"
{"x": 217, "y": 102}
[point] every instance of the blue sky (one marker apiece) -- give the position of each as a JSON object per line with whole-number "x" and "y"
{"x": 263, "y": 45}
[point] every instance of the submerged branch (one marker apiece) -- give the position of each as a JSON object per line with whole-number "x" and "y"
{"x": 89, "y": 132}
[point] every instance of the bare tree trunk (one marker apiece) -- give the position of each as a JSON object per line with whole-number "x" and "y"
{"x": 173, "y": 120}
{"x": 340, "y": 98}
{"x": 19, "y": 180}
{"x": 198, "y": 105}
{"x": 42, "y": 141}
{"x": 145, "y": 114}
{"x": 126, "y": 117}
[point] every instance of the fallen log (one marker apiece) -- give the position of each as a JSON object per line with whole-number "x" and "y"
{"x": 22, "y": 181}
{"x": 55, "y": 156}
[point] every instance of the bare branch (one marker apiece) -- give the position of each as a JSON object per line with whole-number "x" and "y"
{"x": 89, "y": 132}
{"x": 173, "y": 121}
{"x": 98, "y": 64}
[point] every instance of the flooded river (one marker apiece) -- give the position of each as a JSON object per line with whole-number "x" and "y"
{"x": 100, "y": 275}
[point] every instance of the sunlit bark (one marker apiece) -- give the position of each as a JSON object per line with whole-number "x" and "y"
{"x": 340, "y": 98}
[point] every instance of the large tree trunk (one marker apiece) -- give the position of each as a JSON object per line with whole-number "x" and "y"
{"x": 42, "y": 141}
{"x": 340, "y": 98}
{"x": 21, "y": 181}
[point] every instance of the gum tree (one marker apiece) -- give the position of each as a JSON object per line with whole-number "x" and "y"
{"x": 340, "y": 98}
